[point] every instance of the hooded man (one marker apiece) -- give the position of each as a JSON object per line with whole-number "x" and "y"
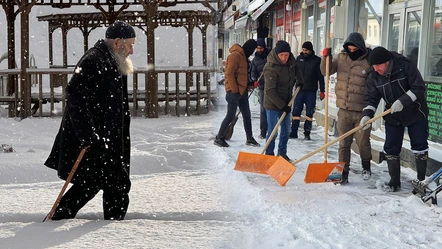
{"x": 97, "y": 118}
{"x": 397, "y": 80}
{"x": 309, "y": 64}
{"x": 351, "y": 66}
{"x": 258, "y": 63}
{"x": 237, "y": 83}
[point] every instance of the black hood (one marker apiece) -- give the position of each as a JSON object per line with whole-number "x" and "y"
{"x": 357, "y": 40}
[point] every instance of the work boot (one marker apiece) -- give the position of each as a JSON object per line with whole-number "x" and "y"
{"x": 366, "y": 169}
{"x": 221, "y": 142}
{"x": 344, "y": 178}
{"x": 421, "y": 165}
{"x": 394, "y": 169}
{"x": 252, "y": 142}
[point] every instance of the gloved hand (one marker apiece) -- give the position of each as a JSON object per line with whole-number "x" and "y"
{"x": 287, "y": 109}
{"x": 255, "y": 84}
{"x": 397, "y": 106}
{"x": 300, "y": 85}
{"x": 364, "y": 119}
{"x": 326, "y": 52}
{"x": 321, "y": 95}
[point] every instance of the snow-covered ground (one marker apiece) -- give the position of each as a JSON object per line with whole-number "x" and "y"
{"x": 185, "y": 194}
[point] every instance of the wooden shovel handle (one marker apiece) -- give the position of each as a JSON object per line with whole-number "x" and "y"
{"x": 348, "y": 133}
{"x": 66, "y": 183}
{"x": 280, "y": 121}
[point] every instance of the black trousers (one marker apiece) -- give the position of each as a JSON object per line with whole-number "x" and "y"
{"x": 235, "y": 100}
{"x": 115, "y": 188}
{"x": 394, "y": 136}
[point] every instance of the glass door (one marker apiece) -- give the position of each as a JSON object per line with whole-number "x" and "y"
{"x": 404, "y": 27}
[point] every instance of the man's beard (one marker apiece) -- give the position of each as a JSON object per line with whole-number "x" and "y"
{"x": 124, "y": 63}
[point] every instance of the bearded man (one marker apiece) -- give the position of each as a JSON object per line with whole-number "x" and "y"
{"x": 97, "y": 117}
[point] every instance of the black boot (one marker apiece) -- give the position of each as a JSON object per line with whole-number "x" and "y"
{"x": 394, "y": 169}
{"x": 366, "y": 169}
{"x": 421, "y": 165}
{"x": 344, "y": 179}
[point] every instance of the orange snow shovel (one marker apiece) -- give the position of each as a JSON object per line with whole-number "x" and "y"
{"x": 319, "y": 172}
{"x": 260, "y": 163}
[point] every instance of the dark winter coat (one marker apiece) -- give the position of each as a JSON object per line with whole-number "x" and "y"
{"x": 96, "y": 115}
{"x": 236, "y": 72}
{"x": 351, "y": 75}
{"x": 311, "y": 71}
{"x": 404, "y": 77}
{"x": 280, "y": 80}
{"x": 258, "y": 64}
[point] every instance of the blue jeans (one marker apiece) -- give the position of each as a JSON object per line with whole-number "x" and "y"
{"x": 309, "y": 99}
{"x": 272, "y": 119}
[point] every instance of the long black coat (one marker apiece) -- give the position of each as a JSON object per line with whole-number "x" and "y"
{"x": 403, "y": 81}
{"x": 96, "y": 114}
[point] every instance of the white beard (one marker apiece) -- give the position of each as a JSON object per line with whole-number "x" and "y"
{"x": 124, "y": 63}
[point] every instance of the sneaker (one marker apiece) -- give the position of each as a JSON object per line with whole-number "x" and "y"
{"x": 219, "y": 141}
{"x": 252, "y": 142}
{"x": 287, "y": 158}
{"x": 293, "y": 134}
{"x": 366, "y": 175}
{"x": 307, "y": 137}
{"x": 262, "y": 136}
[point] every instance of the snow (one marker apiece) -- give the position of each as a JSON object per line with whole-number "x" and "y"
{"x": 185, "y": 193}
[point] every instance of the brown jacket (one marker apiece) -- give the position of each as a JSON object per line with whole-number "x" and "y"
{"x": 351, "y": 78}
{"x": 235, "y": 72}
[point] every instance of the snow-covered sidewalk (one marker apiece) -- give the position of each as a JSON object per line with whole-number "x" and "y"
{"x": 185, "y": 194}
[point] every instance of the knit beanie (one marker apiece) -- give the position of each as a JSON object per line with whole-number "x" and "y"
{"x": 307, "y": 45}
{"x": 282, "y": 46}
{"x": 379, "y": 55}
{"x": 121, "y": 30}
{"x": 260, "y": 42}
{"x": 249, "y": 47}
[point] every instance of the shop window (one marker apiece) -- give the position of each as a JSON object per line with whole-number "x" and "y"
{"x": 434, "y": 65}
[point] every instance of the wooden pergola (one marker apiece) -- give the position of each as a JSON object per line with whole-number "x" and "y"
{"x": 110, "y": 10}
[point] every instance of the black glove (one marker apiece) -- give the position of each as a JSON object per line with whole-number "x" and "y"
{"x": 300, "y": 85}
{"x": 287, "y": 109}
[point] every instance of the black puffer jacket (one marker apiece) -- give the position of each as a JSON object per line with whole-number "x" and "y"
{"x": 403, "y": 77}
{"x": 311, "y": 71}
{"x": 96, "y": 114}
{"x": 258, "y": 64}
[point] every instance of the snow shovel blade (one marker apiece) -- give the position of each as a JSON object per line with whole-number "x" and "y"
{"x": 255, "y": 163}
{"x": 324, "y": 172}
{"x": 281, "y": 171}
